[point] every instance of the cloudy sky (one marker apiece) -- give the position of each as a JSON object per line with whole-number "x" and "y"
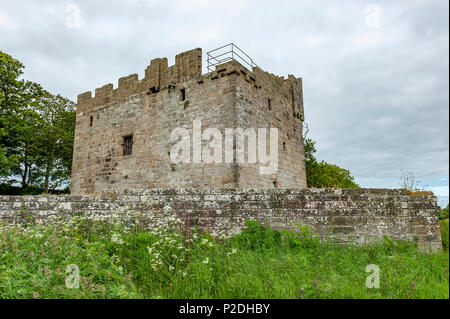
{"x": 375, "y": 73}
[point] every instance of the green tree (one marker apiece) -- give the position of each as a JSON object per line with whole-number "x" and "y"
{"x": 10, "y": 96}
{"x": 57, "y": 128}
{"x": 322, "y": 174}
{"x": 36, "y": 131}
{"x": 23, "y": 135}
{"x": 4, "y": 162}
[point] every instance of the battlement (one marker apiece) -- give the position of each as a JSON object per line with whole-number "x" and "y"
{"x": 158, "y": 75}
{"x": 188, "y": 66}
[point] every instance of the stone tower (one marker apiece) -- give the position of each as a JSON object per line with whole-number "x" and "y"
{"x": 122, "y": 135}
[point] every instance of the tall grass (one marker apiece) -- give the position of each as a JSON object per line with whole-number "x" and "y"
{"x": 444, "y": 233}
{"x": 117, "y": 260}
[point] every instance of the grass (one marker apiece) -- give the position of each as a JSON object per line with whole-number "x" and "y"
{"x": 117, "y": 260}
{"x": 444, "y": 233}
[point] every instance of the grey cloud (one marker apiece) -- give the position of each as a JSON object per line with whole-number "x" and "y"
{"x": 376, "y": 100}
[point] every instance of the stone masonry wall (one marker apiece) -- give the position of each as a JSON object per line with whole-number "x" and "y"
{"x": 150, "y": 108}
{"x": 346, "y": 215}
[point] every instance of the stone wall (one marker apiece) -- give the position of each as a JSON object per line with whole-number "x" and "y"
{"x": 149, "y": 109}
{"x": 346, "y": 215}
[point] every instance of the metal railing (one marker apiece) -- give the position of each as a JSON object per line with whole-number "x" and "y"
{"x": 227, "y": 53}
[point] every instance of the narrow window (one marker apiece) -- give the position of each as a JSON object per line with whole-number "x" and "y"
{"x": 91, "y": 121}
{"x": 182, "y": 94}
{"x": 284, "y": 146}
{"x": 275, "y": 184}
{"x": 269, "y": 104}
{"x": 128, "y": 145}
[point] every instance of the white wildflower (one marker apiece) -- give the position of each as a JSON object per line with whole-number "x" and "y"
{"x": 115, "y": 238}
{"x": 233, "y": 251}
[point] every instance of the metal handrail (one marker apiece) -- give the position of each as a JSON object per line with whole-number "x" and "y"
{"x": 234, "y": 49}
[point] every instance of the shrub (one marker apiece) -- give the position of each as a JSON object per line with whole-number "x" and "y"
{"x": 443, "y": 213}
{"x": 304, "y": 238}
{"x": 257, "y": 236}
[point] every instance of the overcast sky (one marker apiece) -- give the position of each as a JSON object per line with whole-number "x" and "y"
{"x": 375, "y": 73}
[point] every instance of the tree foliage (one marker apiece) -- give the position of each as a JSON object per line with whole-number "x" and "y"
{"x": 10, "y": 89}
{"x": 322, "y": 174}
{"x": 36, "y": 131}
{"x": 443, "y": 212}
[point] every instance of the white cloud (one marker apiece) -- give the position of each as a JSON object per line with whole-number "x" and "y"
{"x": 51, "y": 10}
{"x": 73, "y": 19}
{"x": 312, "y": 41}
{"x": 373, "y": 16}
{"x": 376, "y": 98}
{"x": 440, "y": 190}
{"x": 196, "y": 6}
{"x": 368, "y": 39}
{"x": 7, "y": 22}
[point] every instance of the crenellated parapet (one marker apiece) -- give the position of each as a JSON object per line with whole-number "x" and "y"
{"x": 291, "y": 88}
{"x": 188, "y": 65}
{"x": 158, "y": 76}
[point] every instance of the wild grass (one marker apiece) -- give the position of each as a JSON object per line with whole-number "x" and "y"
{"x": 444, "y": 233}
{"x": 119, "y": 261}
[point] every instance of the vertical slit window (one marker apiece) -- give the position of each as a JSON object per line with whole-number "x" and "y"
{"x": 128, "y": 145}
